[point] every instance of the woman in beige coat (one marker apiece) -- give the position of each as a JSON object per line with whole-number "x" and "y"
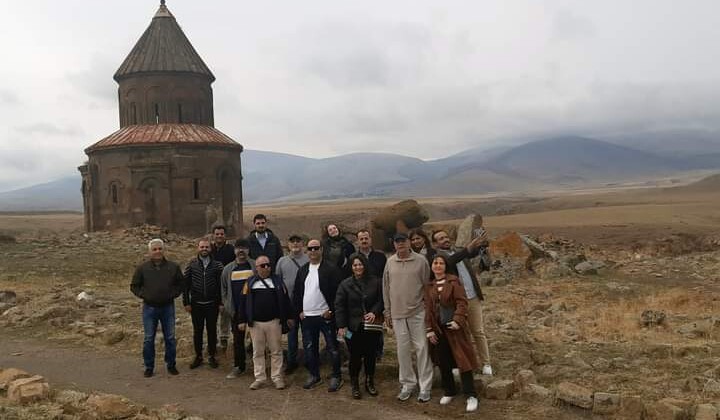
{"x": 447, "y": 330}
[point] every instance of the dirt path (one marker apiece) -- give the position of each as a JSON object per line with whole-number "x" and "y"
{"x": 205, "y": 392}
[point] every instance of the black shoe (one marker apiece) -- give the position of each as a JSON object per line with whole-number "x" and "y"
{"x": 173, "y": 370}
{"x": 355, "y": 383}
{"x": 312, "y": 382}
{"x": 148, "y": 373}
{"x": 213, "y": 362}
{"x": 335, "y": 384}
{"x": 196, "y": 363}
{"x": 370, "y": 385}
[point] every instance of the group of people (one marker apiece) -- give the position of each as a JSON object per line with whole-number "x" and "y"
{"x": 427, "y": 292}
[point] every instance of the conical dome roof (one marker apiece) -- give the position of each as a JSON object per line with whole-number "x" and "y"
{"x": 163, "y": 47}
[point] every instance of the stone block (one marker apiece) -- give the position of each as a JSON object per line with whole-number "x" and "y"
{"x": 665, "y": 410}
{"x": 500, "y": 390}
{"x": 28, "y": 390}
{"x": 511, "y": 245}
{"x": 524, "y": 378}
{"x": 576, "y": 395}
{"x": 605, "y": 403}
{"x": 706, "y": 412}
{"x": 111, "y": 406}
{"x": 632, "y": 407}
{"x": 9, "y": 375}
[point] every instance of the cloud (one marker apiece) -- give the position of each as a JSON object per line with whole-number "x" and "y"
{"x": 8, "y": 97}
{"x": 96, "y": 81}
{"x": 48, "y": 129}
{"x": 570, "y": 26}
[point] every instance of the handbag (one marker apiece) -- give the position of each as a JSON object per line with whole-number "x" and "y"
{"x": 375, "y": 326}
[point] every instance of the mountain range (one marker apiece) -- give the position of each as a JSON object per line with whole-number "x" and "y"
{"x": 560, "y": 162}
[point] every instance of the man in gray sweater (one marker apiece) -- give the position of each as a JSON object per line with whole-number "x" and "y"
{"x": 287, "y": 268}
{"x": 404, "y": 277}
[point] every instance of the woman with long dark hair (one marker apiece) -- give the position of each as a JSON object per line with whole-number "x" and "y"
{"x": 358, "y": 313}
{"x": 446, "y": 321}
{"x": 420, "y": 243}
{"x": 336, "y": 248}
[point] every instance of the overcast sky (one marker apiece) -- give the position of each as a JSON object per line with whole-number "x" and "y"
{"x": 322, "y": 78}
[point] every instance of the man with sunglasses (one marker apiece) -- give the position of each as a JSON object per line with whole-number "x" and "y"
{"x": 266, "y": 310}
{"x": 287, "y": 269}
{"x": 314, "y": 300}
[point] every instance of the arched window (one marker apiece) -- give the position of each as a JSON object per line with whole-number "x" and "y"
{"x": 114, "y": 194}
{"x": 157, "y": 113}
{"x": 180, "y": 115}
{"x": 196, "y": 188}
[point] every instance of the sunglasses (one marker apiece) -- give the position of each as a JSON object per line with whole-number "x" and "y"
{"x": 313, "y": 248}
{"x": 264, "y": 265}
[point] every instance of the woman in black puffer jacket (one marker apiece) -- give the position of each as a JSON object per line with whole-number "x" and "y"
{"x": 359, "y": 302}
{"x": 336, "y": 248}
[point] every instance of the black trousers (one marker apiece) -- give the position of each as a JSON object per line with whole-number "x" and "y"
{"x": 204, "y": 316}
{"x": 446, "y": 364}
{"x": 238, "y": 344}
{"x": 363, "y": 348}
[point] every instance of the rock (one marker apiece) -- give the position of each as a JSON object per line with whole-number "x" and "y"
{"x": 8, "y": 296}
{"x": 9, "y": 375}
{"x": 537, "y": 392}
{"x": 652, "y": 318}
{"x": 706, "y": 412}
{"x": 658, "y": 350}
{"x": 575, "y": 395}
{"x": 701, "y": 328}
{"x": 500, "y": 390}
{"x": 539, "y": 358}
{"x": 589, "y": 267}
{"x": 28, "y": 390}
{"x": 511, "y": 245}
{"x": 484, "y": 381}
{"x": 537, "y": 250}
{"x": 601, "y": 364}
{"x": 466, "y": 228}
{"x": 712, "y": 386}
{"x": 631, "y": 408}
{"x": 665, "y": 410}
{"x": 112, "y": 337}
{"x": 524, "y": 378}
{"x": 85, "y": 296}
{"x": 409, "y": 212}
{"x": 111, "y": 406}
{"x": 70, "y": 398}
{"x": 605, "y": 403}
{"x": 713, "y": 373}
{"x": 5, "y": 306}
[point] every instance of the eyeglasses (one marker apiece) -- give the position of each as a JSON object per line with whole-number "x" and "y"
{"x": 264, "y": 265}
{"x": 313, "y": 248}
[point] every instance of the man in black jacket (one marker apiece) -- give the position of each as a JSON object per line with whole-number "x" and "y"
{"x": 264, "y": 242}
{"x": 222, "y": 251}
{"x": 158, "y": 282}
{"x": 202, "y": 300}
{"x": 266, "y": 309}
{"x": 314, "y": 300}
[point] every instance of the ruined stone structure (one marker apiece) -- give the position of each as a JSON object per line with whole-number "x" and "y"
{"x": 167, "y": 165}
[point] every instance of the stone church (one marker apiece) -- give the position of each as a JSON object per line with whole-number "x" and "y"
{"x": 167, "y": 165}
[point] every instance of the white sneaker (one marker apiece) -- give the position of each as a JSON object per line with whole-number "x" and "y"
{"x": 487, "y": 369}
{"x": 445, "y": 400}
{"x": 471, "y": 405}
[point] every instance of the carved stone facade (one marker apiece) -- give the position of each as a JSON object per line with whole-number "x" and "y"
{"x": 167, "y": 165}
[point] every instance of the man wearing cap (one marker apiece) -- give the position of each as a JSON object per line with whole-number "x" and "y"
{"x": 404, "y": 277}
{"x": 232, "y": 282}
{"x": 287, "y": 268}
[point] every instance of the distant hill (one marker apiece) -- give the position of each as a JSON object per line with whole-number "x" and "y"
{"x": 61, "y": 194}
{"x": 561, "y": 162}
{"x": 707, "y": 185}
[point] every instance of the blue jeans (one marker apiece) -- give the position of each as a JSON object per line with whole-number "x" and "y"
{"x": 292, "y": 339}
{"x": 312, "y": 327}
{"x": 166, "y": 316}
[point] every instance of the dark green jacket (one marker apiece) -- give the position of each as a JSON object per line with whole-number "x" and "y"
{"x": 158, "y": 284}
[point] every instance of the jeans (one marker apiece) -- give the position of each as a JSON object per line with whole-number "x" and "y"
{"x": 292, "y": 339}
{"x": 204, "y": 315}
{"x": 151, "y": 315}
{"x": 312, "y": 327}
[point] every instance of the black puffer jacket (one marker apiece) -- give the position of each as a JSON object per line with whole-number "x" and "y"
{"x": 273, "y": 248}
{"x": 350, "y": 297}
{"x": 203, "y": 283}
